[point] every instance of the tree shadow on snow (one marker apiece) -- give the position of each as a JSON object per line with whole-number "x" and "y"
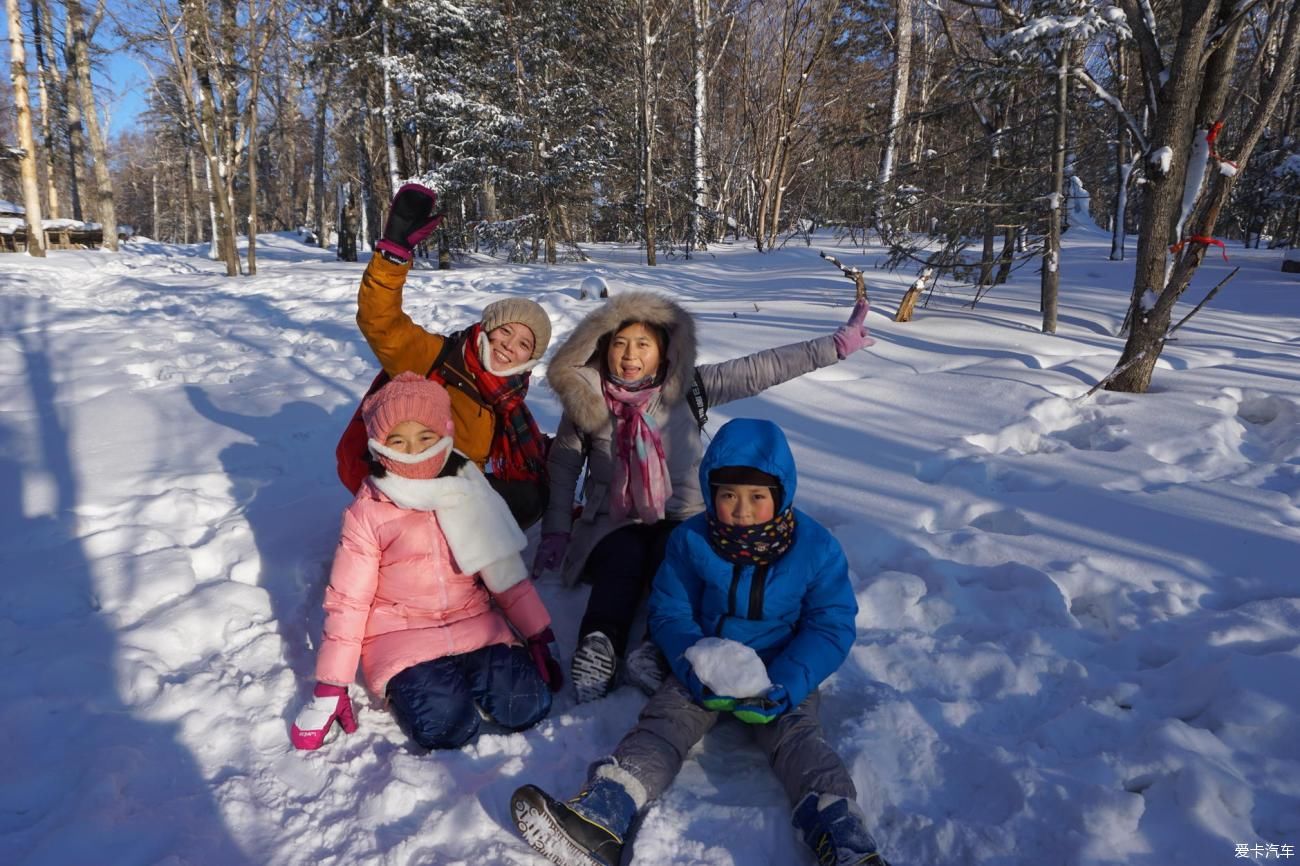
{"x": 84, "y": 776}
{"x": 284, "y": 482}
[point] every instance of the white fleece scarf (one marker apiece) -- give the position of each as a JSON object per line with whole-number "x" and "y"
{"x": 480, "y": 530}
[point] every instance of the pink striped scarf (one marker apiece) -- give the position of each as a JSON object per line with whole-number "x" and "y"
{"x": 640, "y": 486}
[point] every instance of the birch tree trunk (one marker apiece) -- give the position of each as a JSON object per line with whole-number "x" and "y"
{"x": 49, "y": 137}
{"x": 1051, "y": 277}
{"x": 60, "y": 103}
{"x": 23, "y": 109}
{"x": 107, "y": 213}
{"x": 216, "y": 235}
{"x": 320, "y": 225}
{"x": 898, "y": 95}
{"x": 699, "y": 117}
{"x": 202, "y": 64}
{"x": 366, "y": 178}
{"x": 646, "y": 121}
{"x": 1123, "y": 166}
{"x": 804, "y": 33}
{"x": 76, "y": 129}
{"x": 390, "y": 138}
{"x": 252, "y": 179}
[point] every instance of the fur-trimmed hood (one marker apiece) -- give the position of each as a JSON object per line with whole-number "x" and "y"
{"x": 570, "y": 374}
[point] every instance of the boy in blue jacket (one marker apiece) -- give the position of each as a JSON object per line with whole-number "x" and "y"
{"x": 754, "y": 570}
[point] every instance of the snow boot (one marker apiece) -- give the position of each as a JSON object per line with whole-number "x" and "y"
{"x": 587, "y": 830}
{"x": 645, "y": 667}
{"x": 593, "y": 666}
{"x": 836, "y": 831}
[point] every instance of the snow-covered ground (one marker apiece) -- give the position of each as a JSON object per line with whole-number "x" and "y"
{"x": 1079, "y": 638}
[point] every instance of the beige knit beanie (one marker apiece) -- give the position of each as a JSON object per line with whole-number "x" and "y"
{"x": 525, "y": 312}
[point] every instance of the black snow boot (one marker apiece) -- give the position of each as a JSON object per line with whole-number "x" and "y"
{"x": 586, "y": 831}
{"x": 836, "y": 831}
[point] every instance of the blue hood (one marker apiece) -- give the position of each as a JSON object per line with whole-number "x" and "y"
{"x": 750, "y": 442}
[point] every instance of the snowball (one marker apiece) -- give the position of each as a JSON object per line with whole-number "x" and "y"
{"x": 728, "y": 668}
{"x": 593, "y": 287}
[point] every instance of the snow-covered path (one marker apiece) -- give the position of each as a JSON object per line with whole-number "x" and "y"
{"x": 1079, "y": 640}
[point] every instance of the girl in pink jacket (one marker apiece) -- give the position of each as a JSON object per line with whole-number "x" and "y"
{"x": 428, "y": 590}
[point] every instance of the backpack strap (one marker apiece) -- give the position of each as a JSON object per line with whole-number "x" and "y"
{"x": 443, "y": 353}
{"x": 699, "y": 401}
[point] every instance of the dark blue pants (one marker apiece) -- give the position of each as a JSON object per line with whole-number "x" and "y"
{"x": 434, "y": 701}
{"x": 621, "y": 568}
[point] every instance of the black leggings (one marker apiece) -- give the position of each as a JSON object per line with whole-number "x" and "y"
{"x": 621, "y": 568}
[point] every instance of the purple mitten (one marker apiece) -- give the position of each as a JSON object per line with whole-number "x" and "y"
{"x": 328, "y": 705}
{"x": 550, "y": 552}
{"x": 410, "y": 220}
{"x": 546, "y": 655}
{"x": 852, "y": 336}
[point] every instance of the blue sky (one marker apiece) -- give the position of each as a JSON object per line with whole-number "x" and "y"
{"x": 121, "y": 84}
{"x": 124, "y": 85}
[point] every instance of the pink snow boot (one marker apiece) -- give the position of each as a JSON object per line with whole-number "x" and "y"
{"x": 328, "y": 703}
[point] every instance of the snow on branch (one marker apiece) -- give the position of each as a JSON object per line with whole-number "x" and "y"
{"x": 1075, "y": 28}
{"x": 1142, "y": 24}
{"x": 855, "y": 274}
{"x": 1110, "y": 99}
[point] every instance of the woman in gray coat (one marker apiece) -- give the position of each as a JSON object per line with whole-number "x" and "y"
{"x": 624, "y": 378}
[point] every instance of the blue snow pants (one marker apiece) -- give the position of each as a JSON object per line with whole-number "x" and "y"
{"x": 436, "y": 702}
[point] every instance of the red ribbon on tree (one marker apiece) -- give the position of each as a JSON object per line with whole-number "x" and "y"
{"x": 1209, "y": 139}
{"x": 1201, "y": 239}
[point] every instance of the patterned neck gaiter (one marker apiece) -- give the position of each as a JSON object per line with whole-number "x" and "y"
{"x": 760, "y": 544}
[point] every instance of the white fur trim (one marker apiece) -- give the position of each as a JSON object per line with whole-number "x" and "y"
{"x": 485, "y": 355}
{"x": 504, "y": 573}
{"x": 379, "y": 449}
{"x": 612, "y": 771}
{"x": 480, "y": 530}
{"x": 578, "y": 385}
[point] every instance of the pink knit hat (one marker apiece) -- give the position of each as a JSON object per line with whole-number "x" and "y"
{"x": 408, "y": 397}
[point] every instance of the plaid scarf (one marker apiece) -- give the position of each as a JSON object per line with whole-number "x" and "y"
{"x": 518, "y": 451}
{"x": 641, "y": 486}
{"x": 760, "y": 544}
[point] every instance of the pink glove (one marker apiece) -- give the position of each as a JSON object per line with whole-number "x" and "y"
{"x": 410, "y": 221}
{"x": 852, "y": 336}
{"x": 328, "y": 704}
{"x": 546, "y": 655}
{"x": 550, "y": 552}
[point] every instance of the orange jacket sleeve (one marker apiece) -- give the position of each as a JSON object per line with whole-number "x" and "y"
{"x": 398, "y": 343}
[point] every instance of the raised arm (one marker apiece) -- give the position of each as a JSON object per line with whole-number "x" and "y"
{"x": 398, "y": 343}
{"x": 753, "y": 374}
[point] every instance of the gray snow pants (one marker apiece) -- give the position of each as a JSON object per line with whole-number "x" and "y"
{"x": 671, "y": 723}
